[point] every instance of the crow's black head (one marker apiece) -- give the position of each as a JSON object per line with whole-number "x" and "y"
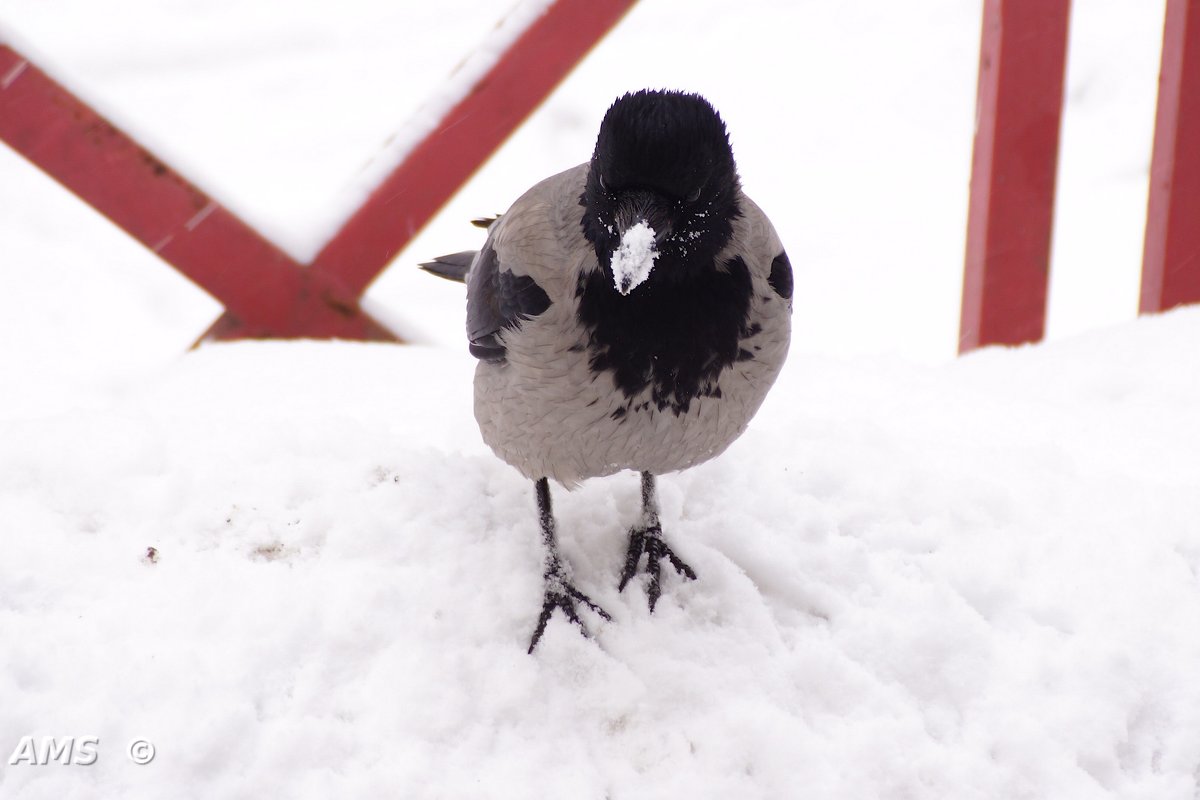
{"x": 662, "y": 188}
{"x": 659, "y": 204}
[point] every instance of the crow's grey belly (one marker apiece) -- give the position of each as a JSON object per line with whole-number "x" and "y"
{"x": 546, "y": 413}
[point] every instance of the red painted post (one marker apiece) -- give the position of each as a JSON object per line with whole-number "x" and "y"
{"x": 1171, "y": 269}
{"x": 1021, "y": 68}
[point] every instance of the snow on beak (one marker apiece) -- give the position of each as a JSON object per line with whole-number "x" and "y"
{"x": 642, "y": 227}
{"x": 634, "y": 257}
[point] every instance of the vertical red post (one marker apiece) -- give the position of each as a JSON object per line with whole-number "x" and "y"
{"x": 1171, "y": 269}
{"x": 1010, "y": 218}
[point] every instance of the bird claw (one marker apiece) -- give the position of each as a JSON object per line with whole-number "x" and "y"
{"x": 564, "y": 596}
{"x": 649, "y": 540}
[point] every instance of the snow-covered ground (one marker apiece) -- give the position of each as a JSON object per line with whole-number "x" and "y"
{"x": 979, "y": 580}
{"x": 919, "y": 577}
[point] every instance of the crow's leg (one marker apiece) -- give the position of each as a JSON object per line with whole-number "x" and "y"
{"x": 647, "y": 538}
{"x": 560, "y": 593}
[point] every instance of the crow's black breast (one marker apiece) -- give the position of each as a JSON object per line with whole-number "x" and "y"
{"x": 498, "y": 300}
{"x": 674, "y": 336}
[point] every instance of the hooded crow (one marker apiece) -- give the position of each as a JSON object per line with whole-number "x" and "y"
{"x": 629, "y": 313}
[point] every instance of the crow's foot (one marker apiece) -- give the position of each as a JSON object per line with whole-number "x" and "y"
{"x": 648, "y": 539}
{"x": 561, "y": 594}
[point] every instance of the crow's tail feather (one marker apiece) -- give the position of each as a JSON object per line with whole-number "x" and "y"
{"x": 452, "y": 267}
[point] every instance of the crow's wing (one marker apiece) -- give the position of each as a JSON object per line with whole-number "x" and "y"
{"x": 497, "y": 300}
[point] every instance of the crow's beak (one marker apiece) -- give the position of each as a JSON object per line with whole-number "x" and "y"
{"x": 642, "y": 224}
{"x": 642, "y": 206}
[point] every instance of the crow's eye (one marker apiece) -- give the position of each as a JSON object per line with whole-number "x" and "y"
{"x": 603, "y": 185}
{"x": 695, "y": 195}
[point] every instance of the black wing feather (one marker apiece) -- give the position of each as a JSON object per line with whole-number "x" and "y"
{"x": 498, "y": 300}
{"x": 781, "y": 276}
{"x": 452, "y": 267}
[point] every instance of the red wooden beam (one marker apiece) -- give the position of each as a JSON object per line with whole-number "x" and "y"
{"x": 466, "y": 137}
{"x": 1171, "y": 269}
{"x": 259, "y": 285}
{"x": 1021, "y": 68}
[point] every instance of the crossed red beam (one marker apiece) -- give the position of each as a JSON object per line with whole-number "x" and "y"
{"x": 265, "y": 292}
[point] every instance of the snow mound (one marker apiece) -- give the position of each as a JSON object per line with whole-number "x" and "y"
{"x": 973, "y": 581}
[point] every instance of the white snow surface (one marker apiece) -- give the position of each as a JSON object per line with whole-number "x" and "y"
{"x": 634, "y": 257}
{"x": 978, "y": 580}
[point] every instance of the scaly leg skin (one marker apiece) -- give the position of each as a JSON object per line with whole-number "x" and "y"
{"x": 647, "y": 538}
{"x": 560, "y": 593}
